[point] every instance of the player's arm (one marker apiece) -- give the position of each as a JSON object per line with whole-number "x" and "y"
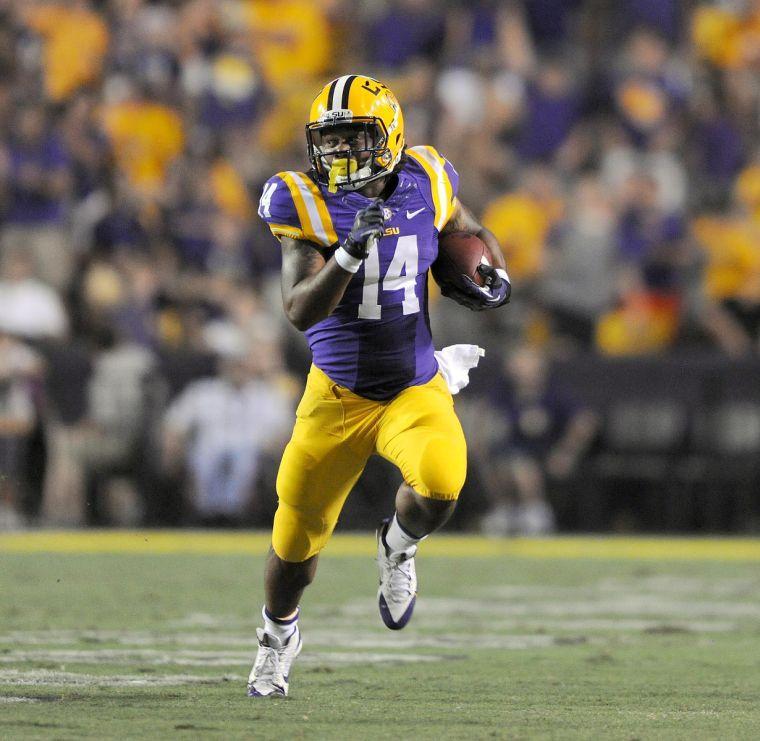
{"x": 463, "y": 220}
{"x": 313, "y": 286}
{"x": 497, "y": 288}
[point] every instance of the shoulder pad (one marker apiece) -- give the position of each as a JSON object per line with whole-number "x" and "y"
{"x": 443, "y": 180}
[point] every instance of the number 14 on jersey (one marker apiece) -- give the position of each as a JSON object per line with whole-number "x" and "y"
{"x": 401, "y": 274}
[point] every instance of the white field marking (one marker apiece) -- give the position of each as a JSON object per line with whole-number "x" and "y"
{"x": 668, "y": 583}
{"x": 358, "y": 638}
{"x": 204, "y": 620}
{"x": 36, "y": 677}
{"x": 152, "y": 657}
{"x": 657, "y": 583}
{"x": 449, "y": 641}
{"x": 330, "y": 657}
{"x": 446, "y": 618}
{"x": 628, "y": 605}
{"x": 606, "y": 624}
{"x": 127, "y": 638}
{"x": 632, "y": 605}
{"x": 564, "y": 617}
{"x": 10, "y": 699}
{"x": 201, "y": 658}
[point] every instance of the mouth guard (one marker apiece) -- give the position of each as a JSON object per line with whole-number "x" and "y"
{"x": 341, "y": 168}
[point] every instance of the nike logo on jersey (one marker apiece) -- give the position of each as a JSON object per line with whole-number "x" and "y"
{"x": 412, "y": 214}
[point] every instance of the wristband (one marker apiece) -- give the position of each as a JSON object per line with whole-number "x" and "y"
{"x": 348, "y": 262}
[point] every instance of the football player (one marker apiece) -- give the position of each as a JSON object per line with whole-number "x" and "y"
{"x": 358, "y": 233}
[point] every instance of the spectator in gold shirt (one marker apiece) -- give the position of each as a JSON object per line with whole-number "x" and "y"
{"x": 522, "y": 220}
{"x": 146, "y": 136}
{"x": 76, "y": 42}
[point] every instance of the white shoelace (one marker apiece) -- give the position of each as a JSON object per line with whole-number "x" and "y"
{"x": 268, "y": 668}
{"x": 400, "y": 578}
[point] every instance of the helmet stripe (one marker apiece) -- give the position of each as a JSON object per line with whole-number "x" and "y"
{"x": 337, "y": 92}
{"x": 346, "y": 91}
{"x": 331, "y": 93}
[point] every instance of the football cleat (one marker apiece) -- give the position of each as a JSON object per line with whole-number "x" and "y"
{"x": 397, "y": 592}
{"x": 271, "y": 670}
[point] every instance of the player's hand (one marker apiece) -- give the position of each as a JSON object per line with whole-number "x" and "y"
{"x": 495, "y": 291}
{"x": 368, "y": 225}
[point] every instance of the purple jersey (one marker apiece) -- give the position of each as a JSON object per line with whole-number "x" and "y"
{"x": 377, "y": 341}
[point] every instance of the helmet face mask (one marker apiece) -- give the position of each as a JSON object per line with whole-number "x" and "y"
{"x": 356, "y": 132}
{"x": 361, "y": 141}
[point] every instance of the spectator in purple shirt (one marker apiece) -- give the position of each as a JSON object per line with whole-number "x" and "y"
{"x": 719, "y": 150}
{"x": 37, "y": 181}
{"x": 649, "y": 238}
{"x": 407, "y": 29}
{"x": 539, "y": 436}
{"x": 122, "y": 225}
{"x": 552, "y": 108}
{"x": 549, "y": 20}
{"x": 191, "y": 224}
{"x": 664, "y": 15}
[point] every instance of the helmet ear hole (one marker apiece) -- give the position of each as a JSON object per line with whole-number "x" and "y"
{"x": 398, "y": 136}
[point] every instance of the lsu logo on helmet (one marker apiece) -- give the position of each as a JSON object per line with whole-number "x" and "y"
{"x": 363, "y": 112}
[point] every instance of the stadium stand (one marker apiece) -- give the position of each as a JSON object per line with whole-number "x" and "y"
{"x": 615, "y": 151}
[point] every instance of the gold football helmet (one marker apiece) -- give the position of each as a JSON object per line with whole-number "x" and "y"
{"x": 355, "y": 132}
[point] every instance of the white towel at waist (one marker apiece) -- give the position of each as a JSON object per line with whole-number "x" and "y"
{"x": 455, "y": 363}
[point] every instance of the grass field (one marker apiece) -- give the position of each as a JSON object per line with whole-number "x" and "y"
{"x": 151, "y": 635}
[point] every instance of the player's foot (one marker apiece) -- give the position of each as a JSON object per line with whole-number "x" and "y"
{"x": 271, "y": 670}
{"x": 398, "y": 582}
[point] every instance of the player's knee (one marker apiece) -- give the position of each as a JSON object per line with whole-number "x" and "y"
{"x": 298, "y": 533}
{"x": 443, "y": 468}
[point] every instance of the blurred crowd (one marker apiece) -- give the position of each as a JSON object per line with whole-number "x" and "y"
{"x": 146, "y": 371}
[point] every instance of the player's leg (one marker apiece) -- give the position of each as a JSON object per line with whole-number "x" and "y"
{"x": 421, "y": 434}
{"x": 285, "y": 582}
{"x": 320, "y": 465}
{"x": 421, "y": 515}
{"x": 312, "y": 487}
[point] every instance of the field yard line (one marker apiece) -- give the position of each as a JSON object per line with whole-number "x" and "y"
{"x": 204, "y": 659}
{"x": 142, "y": 644}
{"x": 8, "y": 699}
{"x": 37, "y": 677}
{"x": 151, "y": 542}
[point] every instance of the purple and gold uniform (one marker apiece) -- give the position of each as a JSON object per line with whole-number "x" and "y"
{"x": 374, "y": 386}
{"x": 377, "y": 341}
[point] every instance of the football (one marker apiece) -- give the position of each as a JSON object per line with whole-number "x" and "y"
{"x": 459, "y": 253}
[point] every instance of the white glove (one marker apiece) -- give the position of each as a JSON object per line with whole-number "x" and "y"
{"x": 455, "y": 363}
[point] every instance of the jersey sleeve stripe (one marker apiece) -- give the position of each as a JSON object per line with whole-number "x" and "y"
{"x": 320, "y": 216}
{"x": 285, "y": 230}
{"x": 303, "y": 215}
{"x": 440, "y": 186}
{"x": 316, "y": 223}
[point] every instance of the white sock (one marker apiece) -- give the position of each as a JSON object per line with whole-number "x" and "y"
{"x": 278, "y": 627}
{"x": 397, "y": 539}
